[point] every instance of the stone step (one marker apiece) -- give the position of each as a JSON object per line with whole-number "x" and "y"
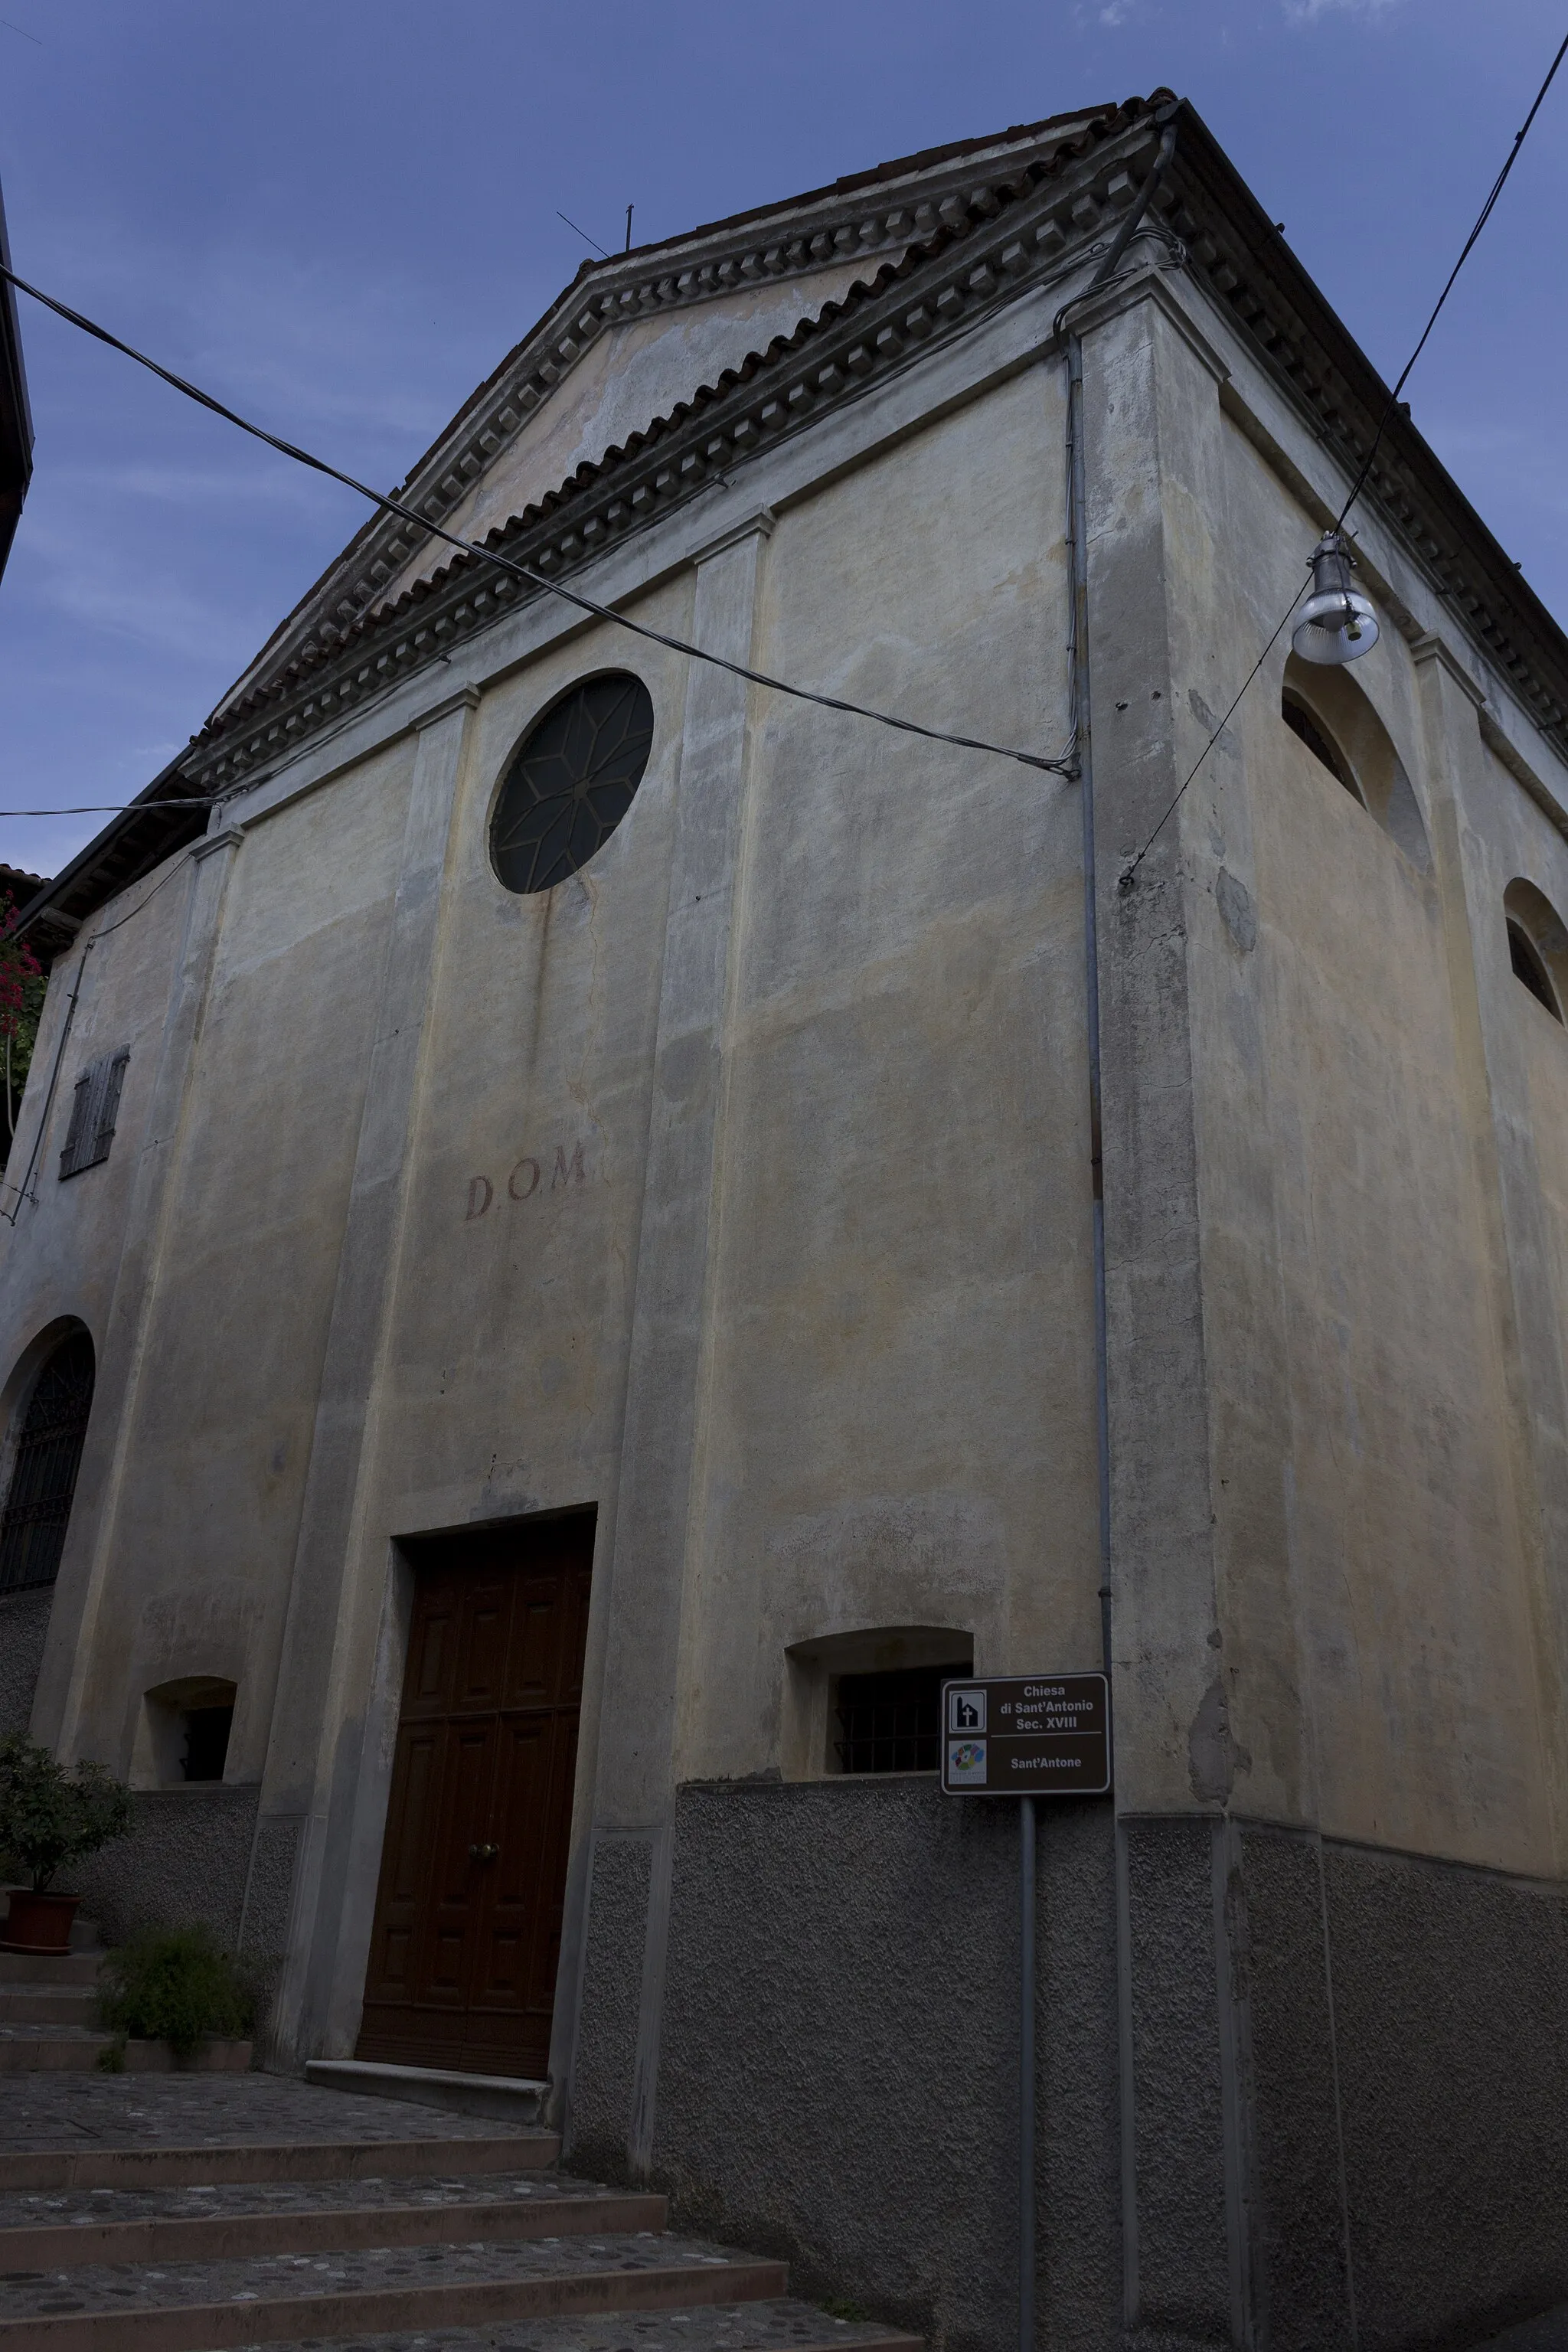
{"x": 512, "y": 2098}
{"x": 42, "y": 1969}
{"x": 48, "y": 2004}
{"x": 294, "y": 2161}
{"x": 204, "y": 2307}
{"x": 76, "y": 2049}
{"x": 212, "y": 2224}
{"x": 776, "y": 2325}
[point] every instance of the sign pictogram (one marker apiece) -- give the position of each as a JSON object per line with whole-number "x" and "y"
{"x": 1027, "y": 1736}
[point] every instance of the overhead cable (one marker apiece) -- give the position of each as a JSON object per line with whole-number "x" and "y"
{"x": 1481, "y": 219}
{"x": 525, "y": 572}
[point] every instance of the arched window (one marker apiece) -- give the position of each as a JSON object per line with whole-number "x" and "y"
{"x": 1301, "y": 723}
{"x": 43, "y": 1474}
{"x": 1537, "y": 945}
{"x": 1331, "y": 715}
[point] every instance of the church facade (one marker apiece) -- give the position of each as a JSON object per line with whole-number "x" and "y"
{"x": 584, "y": 1230}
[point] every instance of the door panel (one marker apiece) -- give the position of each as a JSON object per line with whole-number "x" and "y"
{"x": 465, "y": 1944}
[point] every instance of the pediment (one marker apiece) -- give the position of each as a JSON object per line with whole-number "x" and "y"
{"x": 630, "y": 339}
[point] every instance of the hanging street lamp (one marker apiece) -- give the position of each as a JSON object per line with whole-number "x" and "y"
{"x": 1337, "y": 623}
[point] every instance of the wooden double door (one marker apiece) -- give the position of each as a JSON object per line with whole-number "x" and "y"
{"x": 473, "y": 1871}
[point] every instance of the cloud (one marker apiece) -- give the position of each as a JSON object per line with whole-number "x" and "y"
{"x": 1307, "y": 12}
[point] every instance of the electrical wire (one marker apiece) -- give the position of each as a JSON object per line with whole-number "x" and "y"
{"x": 119, "y": 808}
{"x": 1481, "y": 219}
{"x": 1125, "y": 879}
{"x": 524, "y": 572}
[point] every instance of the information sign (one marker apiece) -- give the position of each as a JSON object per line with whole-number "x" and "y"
{"x": 1026, "y": 1736}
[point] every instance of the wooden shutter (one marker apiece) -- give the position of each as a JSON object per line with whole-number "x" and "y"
{"x": 95, "y": 1108}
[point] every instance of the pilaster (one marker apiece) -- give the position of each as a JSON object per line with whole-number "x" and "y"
{"x": 337, "y": 1598}
{"x": 1211, "y": 1724}
{"x": 659, "y": 1483}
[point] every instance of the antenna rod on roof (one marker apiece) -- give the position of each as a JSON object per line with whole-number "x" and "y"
{"x": 628, "y": 228}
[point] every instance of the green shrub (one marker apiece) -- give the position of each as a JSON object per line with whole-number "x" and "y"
{"x": 51, "y": 1815}
{"x": 176, "y": 1985}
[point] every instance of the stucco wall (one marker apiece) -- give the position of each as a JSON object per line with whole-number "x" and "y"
{"x": 224, "y": 1404}
{"x": 186, "y": 1861}
{"x": 897, "y": 1422}
{"x": 838, "y": 2078}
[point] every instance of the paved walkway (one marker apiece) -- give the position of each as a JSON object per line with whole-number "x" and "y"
{"x": 1547, "y": 2334}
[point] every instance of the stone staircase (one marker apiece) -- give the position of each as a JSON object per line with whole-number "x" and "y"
{"x": 160, "y": 2222}
{"x": 48, "y": 2016}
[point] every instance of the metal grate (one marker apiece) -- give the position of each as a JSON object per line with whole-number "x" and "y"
{"x": 38, "y": 1509}
{"x": 95, "y": 1107}
{"x": 572, "y": 783}
{"x": 892, "y": 1722}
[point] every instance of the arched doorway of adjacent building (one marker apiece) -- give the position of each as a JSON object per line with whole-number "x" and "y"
{"x": 52, "y": 1397}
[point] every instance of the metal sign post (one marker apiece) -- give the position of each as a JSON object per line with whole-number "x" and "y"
{"x": 1026, "y": 1736}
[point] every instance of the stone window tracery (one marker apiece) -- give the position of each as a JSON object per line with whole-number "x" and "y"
{"x": 572, "y": 781}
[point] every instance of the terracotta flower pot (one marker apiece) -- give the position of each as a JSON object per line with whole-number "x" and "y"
{"x": 39, "y": 1923}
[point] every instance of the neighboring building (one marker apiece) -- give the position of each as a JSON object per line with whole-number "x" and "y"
{"x": 562, "y": 1227}
{"x": 16, "y": 416}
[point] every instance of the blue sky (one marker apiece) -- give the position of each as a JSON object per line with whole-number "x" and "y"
{"x": 338, "y": 214}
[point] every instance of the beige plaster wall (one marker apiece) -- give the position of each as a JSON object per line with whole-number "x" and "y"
{"x": 897, "y": 1409}
{"x": 894, "y": 1422}
{"x": 61, "y": 1256}
{"x": 1381, "y": 1629}
{"x": 506, "y": 1354}
{"x": 223, "y": 1403}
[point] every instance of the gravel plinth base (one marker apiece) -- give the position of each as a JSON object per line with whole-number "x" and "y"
{"x": 46, "y": 2111}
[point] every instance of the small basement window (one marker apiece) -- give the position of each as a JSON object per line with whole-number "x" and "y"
{"x": 184, "y": 1734}
{"x": 891, "y": 1722}
{"x": 206, "y": 1741}
{"x": 95, "y": 1107}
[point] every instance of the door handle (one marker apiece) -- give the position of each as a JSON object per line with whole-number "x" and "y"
{"x": 484, "y": 1853}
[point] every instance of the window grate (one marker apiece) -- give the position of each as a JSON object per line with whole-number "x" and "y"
{"x": 892, "y": 1722}
{"x": 95, "y": 1107}
{"x": 38, "y": 1509}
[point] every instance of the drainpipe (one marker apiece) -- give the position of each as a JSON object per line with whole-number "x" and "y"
{"x": 1083, "y": 741}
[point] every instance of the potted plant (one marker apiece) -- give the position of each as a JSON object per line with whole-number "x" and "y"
{"x": 50, "y": 1815}
{"x": 175, "y": 1986}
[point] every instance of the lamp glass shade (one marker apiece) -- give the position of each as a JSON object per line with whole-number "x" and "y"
{"x": 1338, "y": 627}
{"x": 1336, "y": 624}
